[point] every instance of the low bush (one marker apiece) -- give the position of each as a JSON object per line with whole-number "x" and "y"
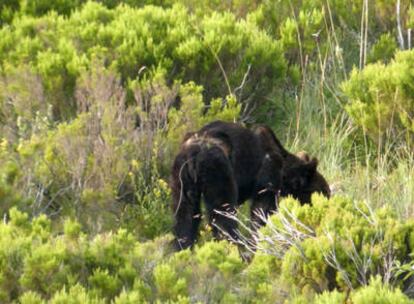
{"x": 334, "y": 244}
{"x": 90, "y": 168}
{"x": 215, "y": 51}
{"x": 338, "y": 249}
{"x": 380, "y": 98}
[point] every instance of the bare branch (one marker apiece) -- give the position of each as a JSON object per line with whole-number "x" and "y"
{"x": 399, "y": 28}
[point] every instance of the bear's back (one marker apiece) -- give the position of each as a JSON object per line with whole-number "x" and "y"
{"x": 246, "y": 152}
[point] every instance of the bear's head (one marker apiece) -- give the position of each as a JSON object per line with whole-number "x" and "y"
{"x": 301, "y": 178}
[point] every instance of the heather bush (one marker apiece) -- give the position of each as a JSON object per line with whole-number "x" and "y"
{"x": 38, "y": 265}
{"x": 58, "y": 50}
{"x": 374, "y": 292}
{"x": 380, "y": 98}
{"x": 303, "y": 251}
{"x": 90, "y": 168}
{"x": 7, "y": 10}
{"x": 337, "y": 243}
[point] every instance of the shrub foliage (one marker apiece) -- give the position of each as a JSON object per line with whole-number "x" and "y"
{"x": 334, "y": 247}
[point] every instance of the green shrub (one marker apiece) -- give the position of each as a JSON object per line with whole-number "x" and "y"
{"x": 336, "y": 243}
{"x": 31, "y": 297}
{"x": 37, "y": 264}
{"x": 111, "y": 266}
{"x": 169, "y": 285}
{"x": 383, "y": 50}
{"x": 376, "y": 292}
{"x": 7, "y": 10}
{"x": 43, "y": 270}
{"x": 59, "y": 49}
{"x": 104, "y": 284}
{"x": 107, "y": 167}
{"x": 76, "y": 295}
{"x": 380, "y": 97}
{"x": 129, "y": 298}
{"x": 333, "y": 297}
{"x": 208, "y": 273}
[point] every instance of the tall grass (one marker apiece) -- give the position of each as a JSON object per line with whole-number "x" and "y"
{"x": 353, "y": 165}
{"x": 315, "y": 120}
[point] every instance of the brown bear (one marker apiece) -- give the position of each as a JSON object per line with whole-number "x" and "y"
{"x": 227, "y": 164}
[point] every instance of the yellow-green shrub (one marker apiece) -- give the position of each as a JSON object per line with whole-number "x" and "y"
{"x": 344, "y": 242}
{"x": 381, "y": 98}
{"x": 134, "y": 41}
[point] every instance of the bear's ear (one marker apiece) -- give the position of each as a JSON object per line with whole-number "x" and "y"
{"x": 310, "y": 166}
{"x": 303, "y": 156}
{"x": 304, "y": 174}
{"x": 186, "y": 138}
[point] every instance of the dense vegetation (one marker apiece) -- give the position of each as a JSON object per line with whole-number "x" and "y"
{"x": 95, "y": 97}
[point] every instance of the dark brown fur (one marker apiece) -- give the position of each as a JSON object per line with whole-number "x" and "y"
{"x": 228, "y": 164}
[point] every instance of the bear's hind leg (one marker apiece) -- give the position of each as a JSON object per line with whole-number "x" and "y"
{"x": 220, "y": 193}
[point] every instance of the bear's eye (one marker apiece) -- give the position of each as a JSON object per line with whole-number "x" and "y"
{"x": 290, "y": 182}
